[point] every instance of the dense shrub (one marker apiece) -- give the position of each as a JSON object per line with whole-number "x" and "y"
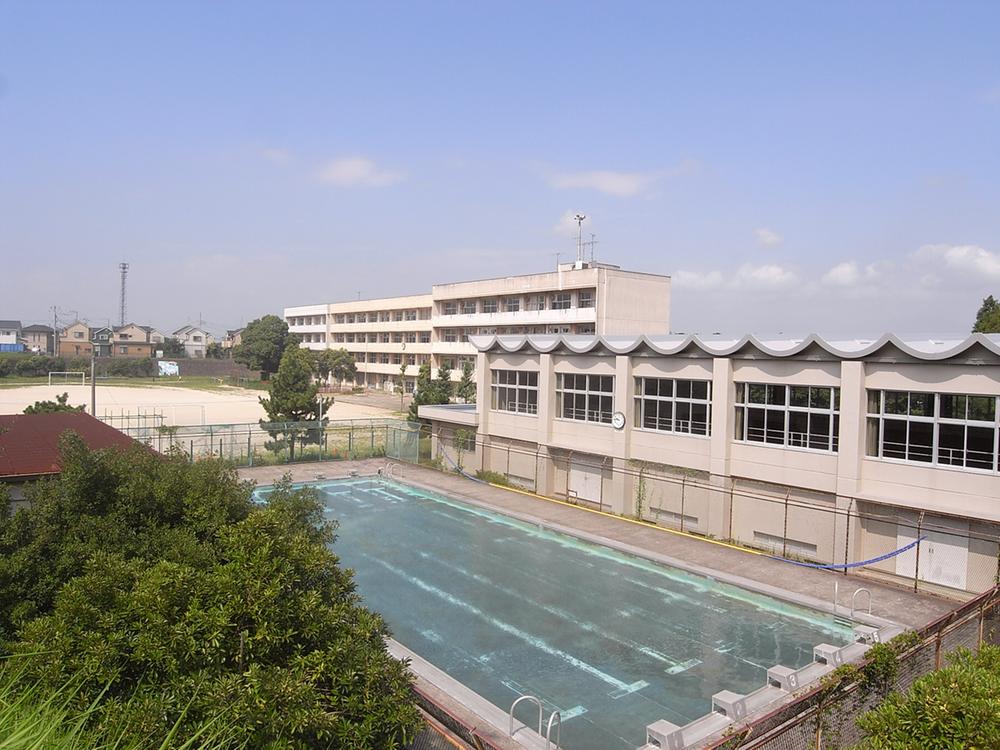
{"x": 167, "y": 597}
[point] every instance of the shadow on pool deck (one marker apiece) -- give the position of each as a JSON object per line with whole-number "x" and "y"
{"x": 905, "y": 607}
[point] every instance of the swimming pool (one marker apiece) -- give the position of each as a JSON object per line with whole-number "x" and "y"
{"x": 614, "y": 642}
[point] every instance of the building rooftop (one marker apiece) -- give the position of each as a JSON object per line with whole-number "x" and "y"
{"x": 10, "y": 323}
{"x": 718, "y": 345}
{"x": 36, "y": 328}
{"x": 29, "y": 443}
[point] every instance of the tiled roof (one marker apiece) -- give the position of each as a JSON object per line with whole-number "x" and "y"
{"x": 10, "y": 323}
{"x": 37, "y": 328}
{"x": 29, "y": 443}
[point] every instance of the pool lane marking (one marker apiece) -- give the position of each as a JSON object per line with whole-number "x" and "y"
{"x": 621, "y": 688}
{"x": 563, "y": 614}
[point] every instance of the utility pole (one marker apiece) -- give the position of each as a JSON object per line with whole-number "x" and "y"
{"x": 55, "y": 332}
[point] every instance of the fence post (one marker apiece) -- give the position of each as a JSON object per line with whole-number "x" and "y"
{"x": 683, "y": 488}
{"x": 249, "y": 447}
{"x": 847, "y": 535}
{"x": 784, "y": 529}
{"x": 916, "y": 557}
{"x": 191, "y": 449}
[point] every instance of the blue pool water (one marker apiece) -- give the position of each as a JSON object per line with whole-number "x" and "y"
{"x": 508, "y": 608}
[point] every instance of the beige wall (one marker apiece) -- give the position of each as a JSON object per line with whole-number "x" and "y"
{"x": 766, "y": 496}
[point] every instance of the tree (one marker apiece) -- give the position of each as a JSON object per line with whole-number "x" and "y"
{"x": 954, "y": 707}
{"x": 173, "y": 348}
{"x": 167, "y": 599}
{"x": 443, "y": 383}
{"x": 262, "y": 344}
{"x": 339, "y": 363}
{"x": 292, "y": 401}
{"x": 430, "y": 390}
{"x": 988, "y": 317}
{"x": 402, "y": 382}
{"x": 214, "y": 351}
{"x": 49, "y": 407}
{"x": 467, "y": 385}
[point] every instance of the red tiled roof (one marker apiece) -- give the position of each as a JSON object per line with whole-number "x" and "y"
{"x": 29, "y": 443}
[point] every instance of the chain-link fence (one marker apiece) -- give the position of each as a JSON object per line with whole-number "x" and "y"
{"x": 825, "y": 719}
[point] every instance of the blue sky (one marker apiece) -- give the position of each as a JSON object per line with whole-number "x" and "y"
{"x": 795, "y": 167}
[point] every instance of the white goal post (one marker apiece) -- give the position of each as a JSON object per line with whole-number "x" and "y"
{"x": 66, "y": 377}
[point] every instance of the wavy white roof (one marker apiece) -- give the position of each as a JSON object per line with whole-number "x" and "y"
{"x": 930, "y": 348}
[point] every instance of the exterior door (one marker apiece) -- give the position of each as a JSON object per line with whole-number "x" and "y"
{"x": 585, "y": 482}
{"x": 944, "y": 556}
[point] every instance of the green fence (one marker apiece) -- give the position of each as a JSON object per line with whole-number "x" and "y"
{"x": 253, "y": 444}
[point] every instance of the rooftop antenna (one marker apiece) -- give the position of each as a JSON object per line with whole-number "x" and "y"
{"x": 123, "y": 267}
{"x": 593, "y": 241}
{"x": 579, "y": 219}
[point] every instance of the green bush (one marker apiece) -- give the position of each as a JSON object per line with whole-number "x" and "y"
{"x": 169, "y": 599}
{"x": 955, "y": 708}
{"x": 493, "y": 477}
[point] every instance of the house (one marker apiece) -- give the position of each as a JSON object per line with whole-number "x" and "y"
{"x": 233, "y": 339}
{"x": 194, "y": 339}
{"x": 132, "y": 341}
{"x": 37, "y": 339}
{"x": 102, "y": 340}
{"x": 10, "y": 336}
{"x": 29, "y": 444}
{"x": 74, "y": 340}
{"x": 154, "y": 337}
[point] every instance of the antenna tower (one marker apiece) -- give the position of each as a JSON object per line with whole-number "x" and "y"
{"x": 579, "y": 219}
{"x": 123, "y": 267}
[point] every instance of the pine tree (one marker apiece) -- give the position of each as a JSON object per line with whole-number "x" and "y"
{"x": 988, "y": 317}
{"x": 467, "y": 385}
{"x": 443, "y": 385}
{"x": 293, "y": 399}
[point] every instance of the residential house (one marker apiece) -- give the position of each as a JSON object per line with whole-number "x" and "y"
{"x": 154, "y": 337}
{"x": 233, "y": 339}
{"x": 37, "y": 339}
{"x": 74, "y": 340}
{"x": 103, "y": 339}
{"x": 29, "y": 444}
{"x": 10, "y": 336}
{"x": 132, "y": 341}
{"x": 194, "y": 339}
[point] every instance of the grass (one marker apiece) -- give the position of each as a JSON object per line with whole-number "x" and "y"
{"x": 34, "y": 718}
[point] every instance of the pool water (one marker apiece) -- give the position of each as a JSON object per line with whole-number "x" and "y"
{"x": 614, "y": 642}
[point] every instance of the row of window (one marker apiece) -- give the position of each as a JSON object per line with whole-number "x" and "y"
{"x": 396, "y": 337}
{"x": 383, "y": 316}
{"x": 533, "y": 303}
{"x": 945, "y": 429}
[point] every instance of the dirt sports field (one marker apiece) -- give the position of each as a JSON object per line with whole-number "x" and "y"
{"x": 179, "y": 406}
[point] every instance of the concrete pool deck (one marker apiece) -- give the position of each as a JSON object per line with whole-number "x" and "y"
{"x": 803, "y": 585}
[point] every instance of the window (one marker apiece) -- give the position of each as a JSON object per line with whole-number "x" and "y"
{"x": 349, "y": 318}
{"x": 586, "y": 298}
{"x": 425, "y": 337}
{"x": 78, "y": 334}
{"x": 535, "y": 302}
{"x": 797, "y": 416}
{"x": 561, "y": 301}
{"x": 411, "y": 337}
{"x": 667, "y": 405}
{"x": 397, "y": 338}
{"x": 383, "y": 338}
{"x": 338, "y": 319}
{"x": 489, "y": 306}
{"x": 450, "y": 335}
{"x": 449, "y": 308}
{"x": 587, "y": 398}
{"x": 468, "y": 307}
{"x": 123, "y": 350}
{"x": 946, "y": 429}
{"x": 511, "y": 304}
{"x": 410, "y": 315}
{"x": 397, "y": 315}
{"x": 515, "y": 391}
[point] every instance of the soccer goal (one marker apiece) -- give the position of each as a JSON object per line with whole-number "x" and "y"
{"x": 76, "y": 377}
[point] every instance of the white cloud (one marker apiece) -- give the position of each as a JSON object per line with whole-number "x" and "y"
{"x": 969, "y": 260}
{"x": 767, "y": 276}
{"x": 698, "y": 280}
{"x": 567, "y": 226}
{"x": 848, "y": 274}
{"x": 768, "y": 237}
{"x": 621, "y": 184}
{"x": 357, "y": 171}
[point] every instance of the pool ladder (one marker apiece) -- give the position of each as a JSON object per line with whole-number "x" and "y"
{"x": 387, "y": 471}
{"x": 854, "y": 599}
{"x": 555, "y": 716}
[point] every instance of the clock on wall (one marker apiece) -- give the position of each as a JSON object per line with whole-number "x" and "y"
{"x": 618, "y": 420}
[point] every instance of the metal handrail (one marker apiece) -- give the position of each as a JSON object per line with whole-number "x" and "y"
{"x": 510, "y": 732}
{"x": 854, "y": 597}
{"x": 548, "y": 730}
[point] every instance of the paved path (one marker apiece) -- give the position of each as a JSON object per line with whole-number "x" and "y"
{"x": 891, "y": 602}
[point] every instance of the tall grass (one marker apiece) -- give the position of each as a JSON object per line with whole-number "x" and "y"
{"x": 33, "y": 717}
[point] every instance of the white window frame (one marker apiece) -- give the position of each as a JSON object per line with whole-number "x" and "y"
{"x": 669, "y": 394}
{"x": 795, "y": 440}
{"x": 592, "y": 397}
{"x": 514, "y": 391}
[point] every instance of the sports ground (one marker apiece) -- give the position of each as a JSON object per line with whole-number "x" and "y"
{"x": 177, "y": 405}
